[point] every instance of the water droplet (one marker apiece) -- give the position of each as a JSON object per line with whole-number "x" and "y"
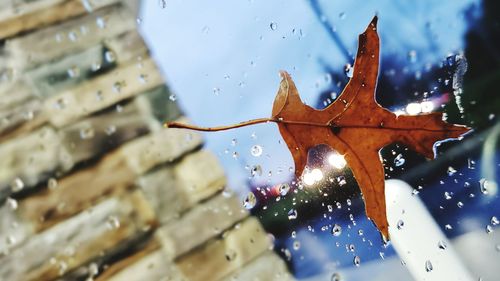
{"x": 428, "y": 266}
{"x": 273, "y": 25}
{"x": 336, "y": 230}
{"x": 113, "y": 222}
{"x": 494, "y": 221}
{"x": 460, "y": 204}
{"x": 485, "y": 185}
{"x": 172, "y": 97}
{"x": 442, "y": 245}
{"x": 284, "y": 188}
{"x": 292, "y": 214}
{"x": 399, "y": 160}
{"x": 111, "y": 129}
{"x": 412, "y": 56}
{"x": 489, "y": 229}
{"x": 351, "y": 248}
{"x": 216, "y": 91}
{"x": 73, "y": 72}
{"x": 296, "y": 245}
{"x": 52, "y": 183}
{"x": 101, "y": 23}
{"x": 451, "y": 171}
{"x": 448, "y": 227}
{"x": 109, "y": 56}
{"x": 348, "y": 70}
{"x": 86, "y": 133}
{"x": 400, "y": 224}
{"x": 162, "y": 4}
{"x": 256, "y": 171}
{"x": 341, "y": 180}
{"x": 230, "y": 255}
{"x": 17, "y": 185}
{"x": 256, "y": 150}
{"x": 12, "y": 203}
{"x": 357, "y": 261}
{"x": 336, "y": 277}
{"x": 471, "y": 164}
{"x": 447, "y": 195}
{"x": 250, "y": 201}
{"x": 342, "y": 16}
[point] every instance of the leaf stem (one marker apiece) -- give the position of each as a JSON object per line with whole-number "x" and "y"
{"x": 241, "y": 124}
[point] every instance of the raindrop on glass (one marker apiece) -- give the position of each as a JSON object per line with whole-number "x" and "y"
{"x": 284, "y": 188}
{"x": 428, "y": 266}
{"x": 162, "y": 3}
{"x": 447, "y": 195}
{"x": 494, "y": 221}
{"x": 256, "y": 150}
{"x": 256, "y": 171}
{"x": 17, "y": 185}
{"x": 489, "y": 229}
{"x": 230, "y": 255}
{"x": 250, "y": 201}
{"x": 336, "y": 277}
{"x": 442, "y": 245}
{"x": 292, "y": 214}
{"x": 400, "y": 224}
{"x": 348, "y": 70}
{"x": 357, "y": 261}
{"x": 86, "y": 133}
{"x": 12, "y": 203}
{"x": 451, "y": 171}
{"x": 172, "y": 97}
{"x": 52, "y": 183}
{"x": 296, "y": 245}
{"x": 399, "y": 160}
{"x": 336, "y": 230}
{"x": 273, "y": 25}
{"x": 113, "y": 222}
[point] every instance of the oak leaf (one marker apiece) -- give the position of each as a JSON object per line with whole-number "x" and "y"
{"x": 355, "y": 125}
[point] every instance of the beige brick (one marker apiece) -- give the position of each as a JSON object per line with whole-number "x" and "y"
{"x": 67, "y": 245}
{"x": 111, "y": 175}
{"x": 200, "y": 224}
{"x": 266, "y": 267}
{"x": 69, "y": 37}
{"x": 221, "y": 257}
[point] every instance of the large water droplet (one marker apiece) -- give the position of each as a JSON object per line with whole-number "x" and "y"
{"x": 273, "y": 25}
{"x": 336, "y": 230}
{"x": 348, "y": 70}
{"x": 400, "y": 224}
{"x": 399, "y": 160}
{"x": 451, "y": 171}
{"x": 284, "y": 188}
{"x": 428, "y": 266}
{"x": 494, "y": 221}
{"x": 250, "y": 201}
{"x": 357, "y": 261}
{"x": 256, "y": 171}
{"x": 292, "y": 214}
{"x": 256, "y": 150}
{"x": 336, "y": 277}
{"x": 17, "y": 185}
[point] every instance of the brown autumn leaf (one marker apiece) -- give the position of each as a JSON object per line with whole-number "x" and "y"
{"x": 355, "y": 125}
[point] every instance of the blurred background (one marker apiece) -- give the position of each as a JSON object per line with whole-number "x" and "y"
{"x": 221, "y": 60}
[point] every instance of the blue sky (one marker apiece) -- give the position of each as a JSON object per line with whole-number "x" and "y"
{"x": 229, "y": 46}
